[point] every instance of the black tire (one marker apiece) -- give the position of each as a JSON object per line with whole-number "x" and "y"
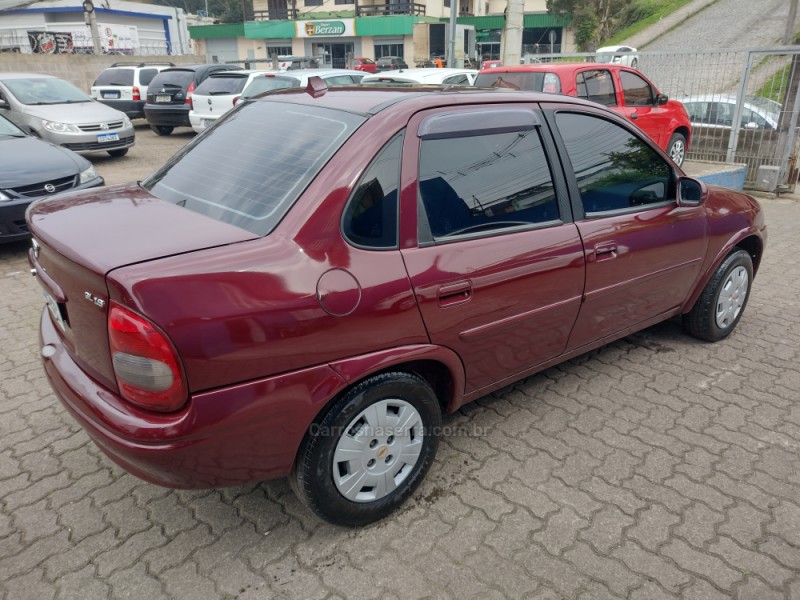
{"x": 162, "y": 129}
{"x": 703, "y": 321}
{"x": 316, "y": 478}
{"x": 118, "y": 152}
{"x": 676, "y": 149}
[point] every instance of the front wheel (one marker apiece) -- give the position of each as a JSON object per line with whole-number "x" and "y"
{"x": 370, "y": 451}
{"x": 162, "y": 129}
{"x": 676, "y": 149}
{"x": 719, "y": 308}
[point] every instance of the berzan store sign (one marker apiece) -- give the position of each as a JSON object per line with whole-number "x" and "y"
{"x": 327, "y": 28}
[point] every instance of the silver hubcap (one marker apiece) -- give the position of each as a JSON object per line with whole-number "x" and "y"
{"x": 732, "y": 297}
{"x": 377, "y": 451}
{"x": 676, "y": 152}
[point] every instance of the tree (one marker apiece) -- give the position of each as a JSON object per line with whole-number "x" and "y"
{"x": 592, "y": 20}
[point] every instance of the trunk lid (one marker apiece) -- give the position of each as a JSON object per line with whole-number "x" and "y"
{"x": 79, "y": 238}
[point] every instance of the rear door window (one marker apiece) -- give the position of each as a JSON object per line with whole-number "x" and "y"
{"x": 597, "y": 86}
{"x": 272, "y": 152}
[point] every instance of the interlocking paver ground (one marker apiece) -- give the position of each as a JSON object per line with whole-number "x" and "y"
{"x": 656, "y": 467}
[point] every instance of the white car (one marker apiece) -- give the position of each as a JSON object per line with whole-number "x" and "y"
{"x": 618, "y": 55}
{"x": 212, "y": 99}
{"x": 716, "y": 111}
{"x": 217, "y": 95}
{"x": 433, "y": 76}
{"x": 124, "y": 86}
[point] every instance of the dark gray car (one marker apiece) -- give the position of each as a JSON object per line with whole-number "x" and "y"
{"x": 30, "y": 169}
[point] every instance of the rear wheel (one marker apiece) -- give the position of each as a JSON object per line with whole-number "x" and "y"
{"x": 370, "y": 451}
{"x": 719, "y": 308}
{"x": 162, "y": 129}
{"x": 118, "y": 152}
{"x": 676, "y": 149}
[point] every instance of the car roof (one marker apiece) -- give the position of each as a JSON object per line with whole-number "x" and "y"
{"x": 299, "y": 73}
{"x": 613, "y": 48}
{"x": 26, "y": 76}
{"x": 711, "y": 98}
{"x": 559, "y": 67}
{"x": 200, "y": 67}
{"x": 368, "y": 100}
{"x": 243, "y": 72}
{"x": 420, "y": 75}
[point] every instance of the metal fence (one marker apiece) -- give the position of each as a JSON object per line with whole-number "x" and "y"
{"x": 58, "y": 42}
{"x": 754, "y": 88}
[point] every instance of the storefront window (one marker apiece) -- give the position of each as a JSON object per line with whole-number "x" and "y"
{"x": 388, "y": 50}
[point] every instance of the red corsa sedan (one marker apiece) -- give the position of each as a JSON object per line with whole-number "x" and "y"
{"x": 623, "y": 89}
{"x": 305, "y": 290}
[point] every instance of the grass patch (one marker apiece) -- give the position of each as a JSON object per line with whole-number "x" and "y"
{"x": 641, "y": 15}
{"x": 775, "y": 87}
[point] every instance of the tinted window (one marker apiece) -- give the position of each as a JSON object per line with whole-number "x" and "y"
{"x": 456, "y": 80}
{"x": 269, "y": 84}
{"x": 614, "y": 169}
{"x": 754, "y": 120}
{"x": 115, "y": 77}
{"x": 636, "y": 90}
{"x": 370, "y": 218}
{"x": 698, "y": 111}
{"x": 339, "y": 80}
{"x": 249, "y": 169}
{"x": 535, "y": 82}
{"x": 221, "y": 85}
{"x": 485, "y": 183}
{"x": 146, "y": 76}
{"x": 597, "y": 86}
{"x": 172, "y": 79}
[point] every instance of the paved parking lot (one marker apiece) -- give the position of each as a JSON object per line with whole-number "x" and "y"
{"x": 656, "y": 467}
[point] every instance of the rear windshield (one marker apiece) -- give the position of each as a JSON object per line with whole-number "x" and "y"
{"x": 115, "y": 77}
{"x": 174, "y": 79}
{"x": 249, "y": 169}
{"x": 534, "y": 82}
{"x": 259, "y": 85}
{"x": 221, "y": 85}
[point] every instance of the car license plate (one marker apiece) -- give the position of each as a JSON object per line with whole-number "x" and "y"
{"x": 52, "y": 306}
{"x": 110, "y": 94}
{"x": 163, "y": 98}
{"x": 108, "y": 137}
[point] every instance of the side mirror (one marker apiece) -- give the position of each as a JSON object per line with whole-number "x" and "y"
{"x": 691, "y": 192}
{"x": 662, "y": 99}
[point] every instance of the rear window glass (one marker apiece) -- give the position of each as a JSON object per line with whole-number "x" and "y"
{"x": 115, "y": 77}
{"x": 179, "y": 79}
{"x": 221, "y": 85}
{"x": 269, "y": 84}
{"x": 533, "y": 82}
{"x": 248, "y": 170}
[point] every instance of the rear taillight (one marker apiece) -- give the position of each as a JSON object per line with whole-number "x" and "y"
{"x": 145, "y": 362}
{"x": 236, "y": 100}
{"x": 137, "y": 95}
{"x": 189, "y": 95}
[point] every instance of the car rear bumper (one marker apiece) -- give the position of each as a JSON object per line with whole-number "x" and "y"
{"x": 201, "y": 123}
{"x": 243, "y": 433}
{"x": 174, "y": 115}
{"x": 133, "y": 108}
{"x": 13, "y": 226}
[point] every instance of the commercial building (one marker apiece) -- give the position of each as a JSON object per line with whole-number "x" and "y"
{"x": 416, "y": 31}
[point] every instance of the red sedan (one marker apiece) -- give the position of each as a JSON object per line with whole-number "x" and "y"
{"x": 364, "y": 64}
{"x": 307, "y": 288}
{"x": 623, "y": 89}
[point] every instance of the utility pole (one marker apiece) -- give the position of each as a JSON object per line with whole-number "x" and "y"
{"x": 512, "y": 34}
{"x": 451, "y": 43}
{"x": 788, "y": 37}
{"x": 90, "y": 18}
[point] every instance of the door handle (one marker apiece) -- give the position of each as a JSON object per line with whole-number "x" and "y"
{"x": 605, "y": 251}
{"x": 455, "y": 293}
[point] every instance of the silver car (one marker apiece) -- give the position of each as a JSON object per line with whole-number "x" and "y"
{"x": 58, "y": 112}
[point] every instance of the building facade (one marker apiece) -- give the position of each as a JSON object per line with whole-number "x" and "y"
{"x": 59, "y": 27}
{"x": 415, "y": 31}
